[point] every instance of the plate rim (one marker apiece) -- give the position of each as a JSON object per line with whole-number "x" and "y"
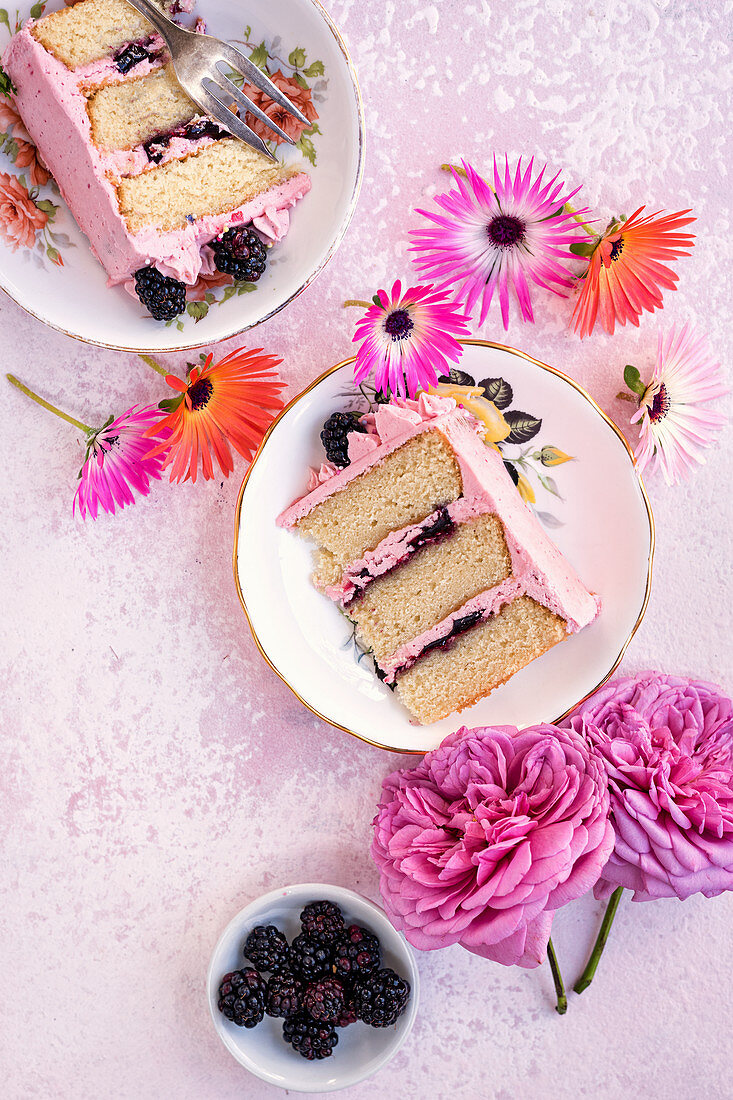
{"x": 476, "y": 342}
{"x": 330, "y": 24}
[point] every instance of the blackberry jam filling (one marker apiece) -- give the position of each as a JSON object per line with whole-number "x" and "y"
{"x": 192, "y": 131}
{"x": 131, "y": 55}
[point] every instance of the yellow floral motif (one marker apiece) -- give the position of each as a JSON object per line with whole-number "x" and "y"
{"x": 526, "y": 491}
{"x": 471, "y": 397}
{"x": 553, "y": 456}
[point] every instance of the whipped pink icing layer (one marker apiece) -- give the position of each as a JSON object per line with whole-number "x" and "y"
{"x": 539, "y": 570}
{"x": 53, "y": 109}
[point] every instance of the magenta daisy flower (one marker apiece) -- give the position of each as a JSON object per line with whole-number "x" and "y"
{"x": 499, "y": 236}
{"x": 408, "y": 339}
{"x": 674, "y": 427}
{"x": 117, "y": 461}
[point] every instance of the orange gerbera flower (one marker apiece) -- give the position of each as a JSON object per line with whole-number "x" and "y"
{"x": 625, "y": 272}
{"x": 230, "y": 402}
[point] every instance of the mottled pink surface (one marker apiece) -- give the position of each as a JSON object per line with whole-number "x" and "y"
{"x": 156, "y": 775}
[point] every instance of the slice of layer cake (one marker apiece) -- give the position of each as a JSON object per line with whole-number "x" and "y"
{"x": 425, "y": 543}
{"x": 149, "y": 179}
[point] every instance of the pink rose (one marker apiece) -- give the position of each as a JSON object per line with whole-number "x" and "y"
{"x": 667, "y": 743}
{"x": 20, "y": 218}
{"x": 488, "y": 835}
{"x": 299, "y": 97}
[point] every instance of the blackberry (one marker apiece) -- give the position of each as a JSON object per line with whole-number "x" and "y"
{"x": 310, "y": 1038}
{"x": 380, "y": 998}
{"x": 242, "y": 997}
{"x": 267, "y": 948}
{"x": 131, "y": 56}
{"x": 284, "y": 995}
{"x": 322, "y": 921}
{"x": 163, "y": 297}
{"x": 348, "y": 1014}
{"x": 309, "y": 959}
{"x": 358, "y": 953}
{"x": 240, "y": 252}
{"x": 335, "y": 439}
{"x": 325, "y": 1000}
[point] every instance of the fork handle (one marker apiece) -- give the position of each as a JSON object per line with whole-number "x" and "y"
{"x": 165, "y": 26}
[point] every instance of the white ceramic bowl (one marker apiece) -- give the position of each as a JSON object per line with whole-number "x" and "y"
{"x": 57, "y": 279}
{"x": 361, "y": 1050}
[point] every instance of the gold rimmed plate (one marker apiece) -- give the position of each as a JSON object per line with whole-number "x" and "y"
{"x": 46, "y": 264}
{"x": 570, "y": 457}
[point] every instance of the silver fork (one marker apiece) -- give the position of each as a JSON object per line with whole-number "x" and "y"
{"x": 196, "y": 59}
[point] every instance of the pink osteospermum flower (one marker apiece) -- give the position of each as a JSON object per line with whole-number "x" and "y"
{"x": 499, "y": 237}
{"x": 674, "y": 427}
{"x": 409, "y": 339}
{"x": 117, "y": 462}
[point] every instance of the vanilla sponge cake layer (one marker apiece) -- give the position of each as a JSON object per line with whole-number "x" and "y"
{"x": 212, "y": 181}
{"x": 404, "y": 488}
{"x": 126, "y": 114}
{"x": 486, "y": 656}
{"x": 90, "y": 30}
{"x": 434, "y": 582}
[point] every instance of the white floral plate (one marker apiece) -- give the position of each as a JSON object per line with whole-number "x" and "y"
{"x": 595, "y": 506}
{"x": 45, "y": 261}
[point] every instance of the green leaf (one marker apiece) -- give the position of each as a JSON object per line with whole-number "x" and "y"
{"x": 6, "y": 85}
{"x": 247, "y": 31}
{"x": 300, "y": 79}
{"x": 584, "y": 248}
{"x": 499, "y": 391}
{"x": 36, "y": 11}
{"x": 297, "y": 58}
{"x": 47, "y": 207}
{"x": 168, "y": 404}
{"x": 523, "y": 426}
{"x": 228, "y": 293}
{"x": 307, "y": 148}
{"x": 245, "y": 288}
{"x": 197, "y": 310}
{"x": 259, "y": 56}
{"x": 633, "y": 381}
{"x": 315, "y": 69}
{"x": 377, "y": 301}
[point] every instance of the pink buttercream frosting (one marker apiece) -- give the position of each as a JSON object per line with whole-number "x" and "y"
{"x": 539, "y": 570}
{"x": 51, "y": 101}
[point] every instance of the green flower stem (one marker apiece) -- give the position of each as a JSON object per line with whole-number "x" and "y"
{"x": 358, "y": 302}
{"x": 624, "y": 396}
{"x": 46, "y": 405}
{"x": 459, "y": 170}
{"x": 588, "y": 974}
{"x": 155, "y": 366}
{"x": 562, "y": 1001}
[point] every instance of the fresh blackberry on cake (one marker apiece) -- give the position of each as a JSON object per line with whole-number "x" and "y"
{"x": 335, "y": 436}
{"x": 357, "y": 953}
{"x": 163, "y": 297}
{"x": 242, "y": 997}
{"x": 309, "y": 959}
{"x": 284, "y": 995}
{"x": 380, "y": 998}
{"x": 267, "y": 948}
{"x": 310, "y": 1038}
{"x": 322, "y": 921}
{"x": 240, "y": 252}
{"x": 325, "y": 1000}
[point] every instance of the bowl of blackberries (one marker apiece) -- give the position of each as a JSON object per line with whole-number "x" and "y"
{"x": 311, "y": 988}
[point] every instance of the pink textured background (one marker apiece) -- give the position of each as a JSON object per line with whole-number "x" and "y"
{"x": 156, "y": 775}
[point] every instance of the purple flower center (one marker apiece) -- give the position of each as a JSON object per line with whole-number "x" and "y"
{"x": 617, "y": 248}
{"x": 199, "y": 393}
{"x": 398, "y": 324}
{"x": 660, "y": 404}
{"x": 505, "y": 231}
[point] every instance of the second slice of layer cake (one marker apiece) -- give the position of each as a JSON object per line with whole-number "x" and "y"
{"x": 149, "y": 179}
{"x": 425, "y": 543}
